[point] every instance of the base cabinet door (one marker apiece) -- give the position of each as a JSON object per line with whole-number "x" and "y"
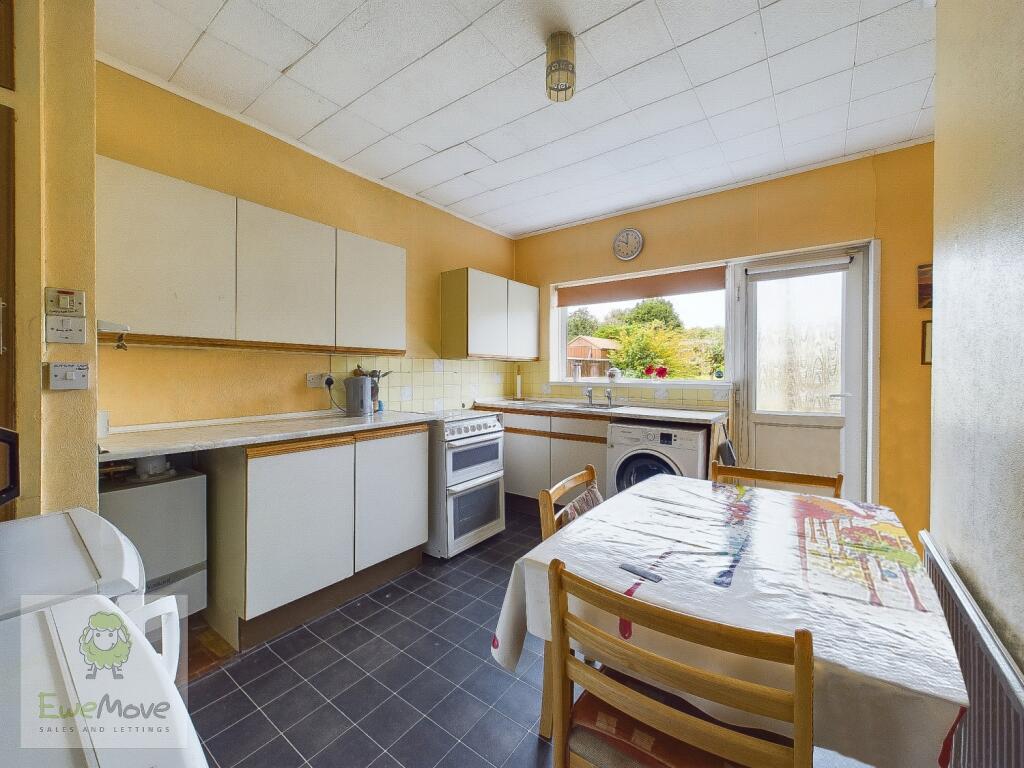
{"x": 527, "y": 464}
{"x": 570, "y": 456}
{"x": 391, "y": 495}
{"x": 299, "y": 527}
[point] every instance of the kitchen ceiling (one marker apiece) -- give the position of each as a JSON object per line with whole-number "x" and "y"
{"x": 444, "y": 99}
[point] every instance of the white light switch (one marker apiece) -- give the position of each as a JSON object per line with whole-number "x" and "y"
{"x": 65, "y": 330}
{"x": 65, "y": 302}
{"x": 69, "y": 375}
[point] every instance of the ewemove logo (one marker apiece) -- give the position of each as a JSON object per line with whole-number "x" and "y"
{"x": 105, "y": 644}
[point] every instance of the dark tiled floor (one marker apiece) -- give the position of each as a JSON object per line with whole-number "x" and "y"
{"x": 402, "y": 677}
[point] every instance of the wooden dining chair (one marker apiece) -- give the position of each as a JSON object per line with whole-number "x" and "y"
{"x": 619, "y": 719}
{"x": 550, "y": 520}
{"x": 833, "y": 483}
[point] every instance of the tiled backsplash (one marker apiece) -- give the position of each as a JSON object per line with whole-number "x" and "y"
{"x": 425, "y": 384}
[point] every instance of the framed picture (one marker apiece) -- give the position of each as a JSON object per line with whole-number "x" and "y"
{"x": 926, "y": 342}
{"x": 924, "y": 286}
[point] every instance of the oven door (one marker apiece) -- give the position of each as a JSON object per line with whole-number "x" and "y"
{"x": 476, "y": 511}
{"x": 471, "y": 457}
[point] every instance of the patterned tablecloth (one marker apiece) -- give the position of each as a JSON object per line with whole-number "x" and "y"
{"x": 888, "y": 689}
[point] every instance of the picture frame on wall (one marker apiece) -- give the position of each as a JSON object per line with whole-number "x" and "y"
{"x": 924, "y": 286}
{"x": 926, "y": 342}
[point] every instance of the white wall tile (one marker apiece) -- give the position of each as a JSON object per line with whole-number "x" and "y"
{"x": 144, "y": 34}
{"x": 893, "y": 70}
{"x": 906, "y": 98}
{"x": 628, "y": 38}
{"x": 815, "y": 97}
{"x": 388, "y": 155}
{"x": 439, "y": 168}
{"x": 789, "y": 23}
{"x": 223, "y": 74}
{"x": 814, "y": 60}
{"x": 311, "y": 18}
{"x": 803, "y": 129}
{"x": 902, "y": 27}
{"x": 290, "y": 108}
{"x": 342, "y": 135}
{"x": 258, "y": 33}
{"x": 689, "y": 19}
{"x": 652, "y": 80}
{"x": 726, "y": 50}
{"x": 736, "y": 90}
{"x": 745, "y": 120}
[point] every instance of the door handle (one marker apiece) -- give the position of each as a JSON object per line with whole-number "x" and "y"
{"x": 841, "y": 394}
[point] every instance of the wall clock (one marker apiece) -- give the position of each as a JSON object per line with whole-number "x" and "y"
{"x": 627, "y": 244}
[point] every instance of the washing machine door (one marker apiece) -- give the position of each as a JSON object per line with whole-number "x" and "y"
{"x": 637, "y": 467}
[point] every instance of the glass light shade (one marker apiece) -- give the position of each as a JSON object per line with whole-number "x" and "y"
{"x": 561, "y": 68}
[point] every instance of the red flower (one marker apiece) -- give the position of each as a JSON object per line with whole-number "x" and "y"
{"x": 649, "y": 370}
{"x": 661, "y": 372}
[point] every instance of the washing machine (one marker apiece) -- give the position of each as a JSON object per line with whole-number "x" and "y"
{"x": 641, "y": 450}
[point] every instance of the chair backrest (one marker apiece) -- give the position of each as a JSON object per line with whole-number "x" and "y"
{"x": 794, "y": 706}
{"x": 833, "y": 482}
{"x": 550, "y": 521}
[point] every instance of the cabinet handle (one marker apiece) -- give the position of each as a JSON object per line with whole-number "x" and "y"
{"x": 3, "y": 306}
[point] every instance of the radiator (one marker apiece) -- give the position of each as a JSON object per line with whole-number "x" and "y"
{"x": 991, "y": 734}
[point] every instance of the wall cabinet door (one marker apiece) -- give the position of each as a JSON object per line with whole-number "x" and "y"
{"x": 523, "y": 320}
{"x": 570, "y": 456}
{"x": 391, "y": 496}
{"x": 165, "y": 253}
{"x": 285, "y": 277}
{"x": 370, "y": 293}
{"x": 299, "y": 527}
{"x": 488, "y": 314}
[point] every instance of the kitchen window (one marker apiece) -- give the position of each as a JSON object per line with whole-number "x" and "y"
{"x": 669, "y": 328}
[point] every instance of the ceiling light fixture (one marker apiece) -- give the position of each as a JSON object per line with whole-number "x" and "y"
{"x": 561, "y": 69}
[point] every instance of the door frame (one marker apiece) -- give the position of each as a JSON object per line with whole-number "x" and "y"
{"x": 737, "y": 349}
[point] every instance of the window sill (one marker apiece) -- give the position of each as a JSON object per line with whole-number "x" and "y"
{"x": 717, "y": 384}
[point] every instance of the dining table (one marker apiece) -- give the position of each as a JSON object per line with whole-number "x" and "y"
{"x": 888, "y": 690}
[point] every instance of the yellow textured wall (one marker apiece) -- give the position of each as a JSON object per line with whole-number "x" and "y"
{"x": 886, "y": 196}
{"x": 144, "y": 125}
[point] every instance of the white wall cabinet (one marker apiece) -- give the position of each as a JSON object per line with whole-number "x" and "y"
{"x": 286, "y": 272}
{"x": 523, "y": 320}
{"x": 391, "y": 493}
{"x": 370, "y": 293}
{"x": 487, "y": 331}
{"x": 165, "y": 253}
{"x": 299, "y": 530}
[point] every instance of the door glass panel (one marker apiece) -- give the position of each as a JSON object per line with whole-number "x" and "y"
{"x": 475, "y": 508}
{"x": 465, "y": 458}
{"x": 799, "y": 344}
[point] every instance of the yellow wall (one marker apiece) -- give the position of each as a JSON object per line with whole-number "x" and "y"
{"x": 144, "y": 125}
{"x": 886, "y": 196}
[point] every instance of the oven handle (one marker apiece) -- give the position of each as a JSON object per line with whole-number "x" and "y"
{"x": 475, "y": 482}
{"x": 463, "y": 442}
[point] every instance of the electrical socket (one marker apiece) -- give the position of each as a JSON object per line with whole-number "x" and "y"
{"x": 316, "y": 380}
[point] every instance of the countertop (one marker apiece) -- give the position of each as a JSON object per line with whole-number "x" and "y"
{"x": 206, "y": 436}
{"x": 615, "y": 413}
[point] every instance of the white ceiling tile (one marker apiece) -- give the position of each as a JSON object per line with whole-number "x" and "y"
{"x": 730, "y": 48}
{"x": 628, "y": 38}
{"x": 736, "y": 90}
{"x": 906, "y": 98}
{"x": 635, "y": 155}
{"x": 374, "y": 42}
{"x": 312, "y": 18}
{"x": 144, "y": 34}
{"x": 811, "y": 61}
{"x": 898, "y": 68}
{"x": 745, "y": 120}
{"x": 453, "y": 190}
{"x": 816, "y": 151}
{"x": 588, "y": 71}
{"x": 388, "y": 155}
{"x": 702, "y": 179}
{"x": 519, "y": 28}
{"x": 870, "y": 8}
{"x": 789, "y": 23}
{"x": 516, "y": 94}
{"x": 526, "y": 133}
{"x": 343, "y": 135}
{"x": 681, "y": 109}
{"x": 462, "y": 64}
{"x": 686, "y": 139}
{"x": 893, "y": 130}
{"x": 689, "y": 19}
{"x": 752, "y": 144}
{"x": 925, "y": 123}
{"x": 592, "y": 106}
{"x": 750, "y": 168}
{"x": 258, "y": 33}
{"x": 808, "y": 127}
{"x": 290, "y": 108}
{"x": 439, "y": 168}
{"x": 197, "y": 12}
{"x": 698, "y": 160}
{"x": 652, "y": 80}
{"x": 474, "y": 9}
{"x": 223, "y": 74}
{"x": 815, "y": 97}
{"x": 929, "y": 100}
{"x": 907, "y": 25}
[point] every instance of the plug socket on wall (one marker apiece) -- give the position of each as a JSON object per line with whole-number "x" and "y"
{"x": 318, "y": 380}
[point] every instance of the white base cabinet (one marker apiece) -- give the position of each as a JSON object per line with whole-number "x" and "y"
{"x": 570, "y": 456}
{"x": 391, "y": 494}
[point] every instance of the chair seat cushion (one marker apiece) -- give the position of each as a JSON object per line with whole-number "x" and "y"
{"x": 608, "y": 738}
{"x": 583, "y": 503}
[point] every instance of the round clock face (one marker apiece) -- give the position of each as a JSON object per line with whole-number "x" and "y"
{"x": 627, "y": 244}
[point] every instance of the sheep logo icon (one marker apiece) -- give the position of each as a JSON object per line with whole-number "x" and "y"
{"x": 105, "y": 644}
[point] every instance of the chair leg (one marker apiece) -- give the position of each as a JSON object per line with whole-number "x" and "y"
{"x": 544, "y": 729}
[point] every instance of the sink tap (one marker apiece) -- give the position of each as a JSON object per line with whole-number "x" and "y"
{"x": 589, "y": 392}
{"x": 608, "y": 394}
